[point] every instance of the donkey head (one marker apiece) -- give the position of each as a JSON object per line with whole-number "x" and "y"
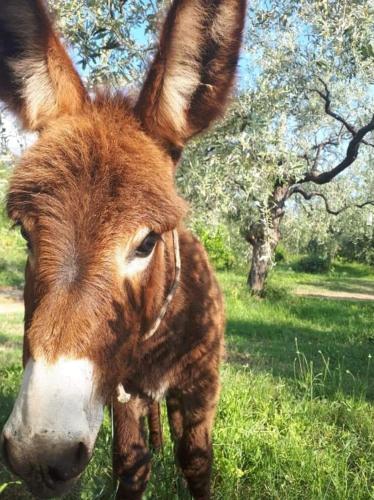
{"x": 96, "y": 202}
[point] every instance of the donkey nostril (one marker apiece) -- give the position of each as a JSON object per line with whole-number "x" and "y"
{"x": 57, "y": 475}
{"x": 70, "y": 465}
{"x": 82, "y": 454}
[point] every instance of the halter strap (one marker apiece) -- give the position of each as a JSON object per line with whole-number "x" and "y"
{"x": 122, "y": 395}
{"x": 173, "y": 289}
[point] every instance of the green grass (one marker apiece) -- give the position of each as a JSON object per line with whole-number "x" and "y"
{"x": 10, "y": 339}
{"x": 12, "y": 246}
{"x": 296, "y": 414}
{"x": 12, "y": 252}
{"x": 341, "y": 272}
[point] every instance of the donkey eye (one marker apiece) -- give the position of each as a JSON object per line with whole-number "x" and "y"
{"x": 25, "y": 235}
{"x": 147, "y": 245}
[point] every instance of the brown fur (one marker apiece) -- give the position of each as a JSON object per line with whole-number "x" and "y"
{"x": 37, "y": 78}
{"x": 99, "y": 171}
{"x": 199, "y": 44}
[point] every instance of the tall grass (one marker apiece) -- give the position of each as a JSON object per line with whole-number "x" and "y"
{"x": 295, "y": 420}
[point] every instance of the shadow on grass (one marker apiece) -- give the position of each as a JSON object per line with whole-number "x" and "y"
{"x": 11, "y": 341}
{"x": 335, "y": 339}
{"x": 346, "y": 285}
{"x": 352, "y": 270}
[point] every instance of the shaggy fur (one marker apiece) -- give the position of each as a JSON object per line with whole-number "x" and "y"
{"x": 100, "y": 171}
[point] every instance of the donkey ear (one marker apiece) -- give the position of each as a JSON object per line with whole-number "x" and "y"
{"x": 37, "y": 79}
{"x": 194, "y": 68}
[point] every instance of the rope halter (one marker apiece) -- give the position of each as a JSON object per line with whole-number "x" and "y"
{"x": 122, "y": 395}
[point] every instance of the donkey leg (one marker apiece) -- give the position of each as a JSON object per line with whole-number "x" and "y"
{"x": 131, "y": 458}
{"x": 155, "y": 426}
{"x": 195, "y": 453}
{"x": 175, "y": 419}
{"x": 175, "y": 416}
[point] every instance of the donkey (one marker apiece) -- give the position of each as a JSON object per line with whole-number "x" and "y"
{"x": 121, "y": 305}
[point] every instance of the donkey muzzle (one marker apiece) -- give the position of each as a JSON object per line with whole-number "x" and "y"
{"x": 50, "y": 434}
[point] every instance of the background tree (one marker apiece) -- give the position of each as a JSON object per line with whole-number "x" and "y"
{"x": 284, "y": 134}
{"x": 304, "y": 94}
{"x": 112, "y": 40}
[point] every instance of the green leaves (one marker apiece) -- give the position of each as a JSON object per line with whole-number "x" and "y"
{"x": 3, "y": 486}
{"x": 111, "y": 39}
{"x": 273, "y": 131}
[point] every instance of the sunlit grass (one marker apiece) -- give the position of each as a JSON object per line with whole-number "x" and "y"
{"x": 295, "y": 418}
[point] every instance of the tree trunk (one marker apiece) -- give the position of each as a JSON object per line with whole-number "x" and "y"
{"x": 263, "y": 249}
{"x": 260, "y": 265}
{"x": 264, "y": 237}
{"x": 262, "y": 260}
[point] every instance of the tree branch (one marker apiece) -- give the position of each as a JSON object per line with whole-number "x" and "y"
{"x": 326, "y": 96}
{"x": 351, "y": 156}
{"x": 311, "y": 194}
{"x": 357, "y": 138}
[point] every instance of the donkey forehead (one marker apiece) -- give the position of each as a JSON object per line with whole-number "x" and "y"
{"x": 99, "y": 165}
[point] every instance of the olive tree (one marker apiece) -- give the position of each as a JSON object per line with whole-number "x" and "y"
{"x": 298, "y": 126}
{"x": 111, "y": 40}
{"x": 302, "y": 115}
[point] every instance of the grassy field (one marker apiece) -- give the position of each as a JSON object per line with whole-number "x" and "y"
{"x": 296, "y": 416}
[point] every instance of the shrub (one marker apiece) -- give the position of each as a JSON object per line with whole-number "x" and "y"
{"x": 274, "y": 292}
{"x": 216, "y": 243}
{"x": 280, "y": 254}
{"x": 359, "y": 249}
{"x": 313, "y": 264}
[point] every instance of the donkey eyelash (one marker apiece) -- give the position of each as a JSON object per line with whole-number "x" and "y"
{"x": 146, "y": 247}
